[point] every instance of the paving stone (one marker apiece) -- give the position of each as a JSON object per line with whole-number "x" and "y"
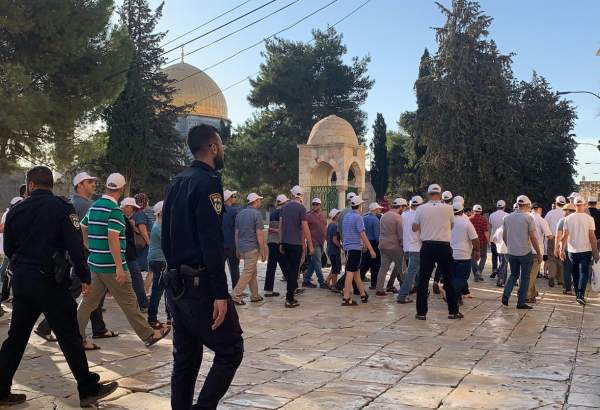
{"x": 140, "y": 401}
{"x": 393, "y": 361}
{"x": 436, "y": 376}
{"x": 352, "y": 387}
{"x": 332, "y": 364}
{"x": 257, "y": 400}
{"x": 373, "y": 374}
{"x": 417, "y": 395}
{"x": 306, "y": 376}
{"x": 585, "y": 399}
{"x": 525, "y": 365}
{"x": 277, "y": 389}
{"x": 326, "y": 400}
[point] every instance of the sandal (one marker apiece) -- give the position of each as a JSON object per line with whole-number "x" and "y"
{"x": 271, "y": 295}
{"x": 156, "y": 325}
{"x": 163, "y": 332}
{"x": 258, "y": 299}
{"x": 107, "y": 335}
{"x": 239, "y": 302}
{"x": 349, "y": 302}
{"x": 48, "y": 338}
{"x": 88, "y": 348}
{"x": 364, "y": 298}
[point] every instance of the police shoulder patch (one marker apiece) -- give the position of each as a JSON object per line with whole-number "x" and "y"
{"x": 217, "y": 202}
{"x": 75, "y": 221}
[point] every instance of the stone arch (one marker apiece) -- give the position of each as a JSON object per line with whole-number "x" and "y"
{"x": 355, "y": 175}
{"x": 321, "y": 174}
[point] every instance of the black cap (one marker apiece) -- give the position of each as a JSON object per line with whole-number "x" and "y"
{"x": 535, "y": 205}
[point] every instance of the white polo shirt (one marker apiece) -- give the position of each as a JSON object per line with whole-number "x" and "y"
{"x": 552, "y": 217}
{"x": 463, "y": 233}
{"x": 435, "y": 220}
{"x": 411, "y": 240}
{"x": 579, "y": 226}
{"x": 496, "y": 219}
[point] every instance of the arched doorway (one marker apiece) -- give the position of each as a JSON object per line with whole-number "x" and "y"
{"x": 321, "y": 186}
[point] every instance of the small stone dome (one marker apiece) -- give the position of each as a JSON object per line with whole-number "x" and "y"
{"x": 332, "y": 130}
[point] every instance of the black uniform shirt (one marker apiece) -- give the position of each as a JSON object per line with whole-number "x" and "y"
{"x": 41, "y": 225}
{"x": 192, "y": 232}
{"x": 595, "y": 213}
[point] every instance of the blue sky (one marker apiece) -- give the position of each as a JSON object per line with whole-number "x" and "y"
{"x": 558, "y": 39}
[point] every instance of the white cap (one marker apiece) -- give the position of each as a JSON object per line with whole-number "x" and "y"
{"x": 561, "y": 200}
{"x": 500, "y": 204}
{"x": 296, "y": 191}
{"x": 477, "y": 208}
{"x": 458, "y": 200}
{"x": 374, "y": 205}
{"x": 350, "y": 195}
{"x": 253, "y": 197}
{"x": 574, "y": 195}
{"x": 158, "y": 207}
{"x": 333, "y": 213}
{"x": 446, "y": 195}
{"x": 523, "y": 200}
{"x": 82, "y": 176}
{"x": 399, "y": 202}
{"x": 316, "y": 201}
{"x": 228, "y": 194}
{"x": 515, "y": 206}
{"x": 416, "y": 200}
{"x": 579, "y": 200}
{"x": 115, "y": 181}
{"x": 434, "y": 189}
{"x": 591, "y": 198}
{"x": 458, "y": 206}
{"x": 129, "y": 201}
{"x": 15, "y": 200}
{"x": 281, "y": 199}
{"x": 356, "y": 200}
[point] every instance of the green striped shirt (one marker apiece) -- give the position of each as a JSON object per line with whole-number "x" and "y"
{"x": 103, "y": 216}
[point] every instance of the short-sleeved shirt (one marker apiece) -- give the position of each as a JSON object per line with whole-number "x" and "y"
{"x": 131, "y": 252}
{"x": 155, "y": 252}
{"x": 317, "y": 224}
{"x": 81, "y": 205}
{"x": 481, "y": 227}
{"x": 273, "y": 237}
{"x": 579, "y": 226}
{"x": 390, "y": 231}
{"x": 411, "y": 240}
{"x": 435, "y": 220}
{"x": 542, "y": 231}
{"x": 247, "y": 222}
{"x": 292, "y": 214}
{"x": 463, "y": 234}
{"x": 353, "y": 226}
{"x": 149, "y": 212}
{"x": 141, "y": 218}
{"x": 332, "y": 231}
{"x": 553, "y": 217}
{"x": 104, "y": 216}
{"x": 595, "y": 213}
{"x": 229, "y": 226}
{"x": 372, "y": 228}
{"x": 496, "y": 219}
{"x": 340, "y": 221}
{"x": 517, "y": 227}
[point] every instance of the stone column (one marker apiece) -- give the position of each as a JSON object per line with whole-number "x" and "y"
{"x": 341, "y": 196}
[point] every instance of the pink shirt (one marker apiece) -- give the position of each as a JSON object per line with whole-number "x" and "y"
{"x": 390, "y": 234}
{"x": 317, "y": 224}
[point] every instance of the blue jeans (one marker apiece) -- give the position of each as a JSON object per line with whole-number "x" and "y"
{"x": 142, "y": 259}
{"x": 478, "y": 266}
{"x": 414, "y": 264}
{"x": 520, "y": 267}
{"x": 581, "y": 271}
{"x": 495, "y": 256}
{"x": 462, "y": 271}
{"x": 502, "y": 268}
{"x": 158, "y": 288}
{"x": 314, "y": 265}
{"x": 567, "y": 269}
{"x": 138, "y": 284}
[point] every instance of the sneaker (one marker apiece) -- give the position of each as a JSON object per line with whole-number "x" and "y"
{"x": 493, "y": 275}
{"x": 308, "y": 285}
{"x": 380, "y": 293}
{"x": 392, "y": 290}
{"x": 12, "y": 399}
{"x": 524, "y": 306}
{"x": 504, "y": 300}
{"x": 372, "y": 287}
{"x": 104, "y": 390}
{"x": 581, "y": 301}
{"x": 456, "y": 316}
{"x": 291, "y": 304}
{"x": 420, "y": 317}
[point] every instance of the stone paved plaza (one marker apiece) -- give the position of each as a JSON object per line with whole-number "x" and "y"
{"x": 374, "y": 356}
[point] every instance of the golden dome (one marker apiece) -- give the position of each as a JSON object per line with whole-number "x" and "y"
{"x": 196, "y": 87}
{"x": 332, "y": 130}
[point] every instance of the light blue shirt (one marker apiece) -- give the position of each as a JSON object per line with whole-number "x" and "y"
{"x": 372, "y": 226}
{"x": 155, "y": 252}
{"x": 247, "y": 222}
{"x": 353, "y": 226}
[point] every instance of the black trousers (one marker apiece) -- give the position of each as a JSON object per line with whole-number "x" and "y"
{"x": 234, "y": 266}
{"x": 372, "y": 264}
{"x": 292, "y": 255}
{"x": 34, "y": 294}
{"x": 275, "y": 257}
{"x": 96, "y": 317}
{"x": 432, "y": 253}
{"x": 5, "y": 280}
{"x": 192, "y": 321}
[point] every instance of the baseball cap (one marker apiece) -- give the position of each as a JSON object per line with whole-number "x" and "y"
{"x": 457, "y": 206}
{"x": 500, "y": 204}
{"x": 593, "y": 198}
{"x": 477, "y": 208}
{"x": 458, "y": 200}
{"x": 374, "y": 206}
{"x": 281, "y": 199}
{"x": 515, "y": 206}
{"x": 535, "y": 205}
{"x": 333, "y": 213}
{"x": 253, "y": 197}
{"x": 399, "y": 202}
{"x": 569, "y": 207}
{"x": 434, "y": 189}
{"x": 416, "y": 200}
{"x": 82, "y": 176}
{"x": 574, "y": 195}
{"x": 129, "y": 201}
{"x": 446, "y": 195}
{"x": 561, "y": 200}
{"x": 350, "y": 195}
{"x": 523, "y": 200}
{"x": 296, "y": 191}
{"x": 158, "y": 207}
{"x": 15, "y": 200}
{"x": 316, "y": 201}
{"x": 115, "y": 181}
{"x": 228, "y": 194}
{"x": 356, "y": 200}
{"x": 579, "y": 200}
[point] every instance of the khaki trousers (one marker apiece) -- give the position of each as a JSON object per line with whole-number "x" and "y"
{"x": 248, "y": 276}
{"x": 555, "y": 265}
{"x": 124, "y": 296}
{"x": 535, "y": 268}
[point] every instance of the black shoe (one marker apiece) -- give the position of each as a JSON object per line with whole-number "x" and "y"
{"x": 456, "y": 316}
{"x": 308, "y": 285}
{"x": 104, "y": 390}
{"x": 551, "y": 282}
{"x": 493, "y": 275}
{"x": 420, "y": 317}
{"x": 504, "y": 300}
{"x": 12, "y": 399}
{"x": 524, "y": 307}
{"x": 291, "y": 304}
{"x": 581, "y": 301}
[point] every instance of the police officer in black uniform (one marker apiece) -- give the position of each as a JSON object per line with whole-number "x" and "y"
{"x": 197, "y": 294}
{"x": 40, "y": 235}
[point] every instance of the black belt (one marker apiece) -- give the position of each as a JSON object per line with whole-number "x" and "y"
{"x": 436, "y": 243}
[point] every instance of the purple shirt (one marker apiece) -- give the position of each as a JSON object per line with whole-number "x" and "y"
{"x": 292, "y": 215}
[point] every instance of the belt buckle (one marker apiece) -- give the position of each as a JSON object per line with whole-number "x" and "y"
{"x": 196, "y": 281}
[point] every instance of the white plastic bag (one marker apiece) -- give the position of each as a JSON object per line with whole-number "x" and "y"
{"x": 596, "y": 277}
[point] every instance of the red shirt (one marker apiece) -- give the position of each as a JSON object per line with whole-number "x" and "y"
{"x": 481, "y": 227}
{"x": 317, "y": 224}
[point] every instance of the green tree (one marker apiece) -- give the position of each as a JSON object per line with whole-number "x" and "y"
{"x": 400, "y": 161}
{"x": 54, "y": 58}
{"x": 379, "y": 163}
{"x": 418, "y": 123}
{"x": 143, "y": 144}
